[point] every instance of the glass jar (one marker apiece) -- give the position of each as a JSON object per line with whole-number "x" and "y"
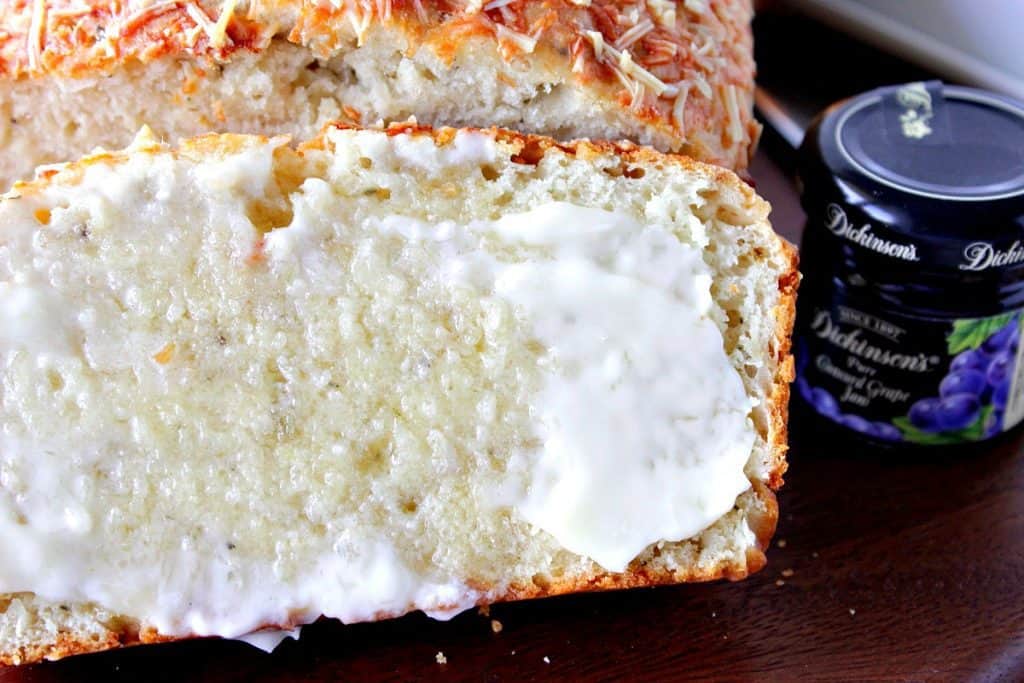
{"x": 912, "y": 303}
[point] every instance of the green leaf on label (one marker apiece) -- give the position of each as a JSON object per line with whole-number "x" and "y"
{"x": 973, "y": 432}
{"x": 977, "y": 428}
{"x": 915, "y": 435}
{"x": 971, "y": 333}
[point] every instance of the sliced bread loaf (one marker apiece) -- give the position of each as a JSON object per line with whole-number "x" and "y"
{"x": 74, "y": 76}
{"x": 243, "y": 385}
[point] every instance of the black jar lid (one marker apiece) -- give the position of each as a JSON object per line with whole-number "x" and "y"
{"x": 935, "y": 172}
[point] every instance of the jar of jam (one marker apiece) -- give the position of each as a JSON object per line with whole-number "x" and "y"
{"x": 912, "y": 304}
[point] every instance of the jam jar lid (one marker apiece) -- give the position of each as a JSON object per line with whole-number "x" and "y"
{"x": 923, "y": 172}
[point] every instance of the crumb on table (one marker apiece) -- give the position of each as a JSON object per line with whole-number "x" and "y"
{"x": 441, "y": 659}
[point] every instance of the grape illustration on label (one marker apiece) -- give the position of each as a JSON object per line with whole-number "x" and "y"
{"x": 975, "y": 393}
{"x": 978, "y": 396}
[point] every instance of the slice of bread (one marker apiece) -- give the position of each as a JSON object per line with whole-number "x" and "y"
{"x": 244, "y": 384}
{"x": 73, "y": 76}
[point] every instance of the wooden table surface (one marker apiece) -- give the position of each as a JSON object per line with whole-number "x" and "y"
{"x": 884, "y": 568}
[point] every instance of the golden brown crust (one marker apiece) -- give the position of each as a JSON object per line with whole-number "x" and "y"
{"x": 761, "y": 516}
{"x": 66, "y": 645}
{"x": 125, "y": 633}
{"x": 641, "y": 575}
{"x": 778, "y": 397}
{"x": 684, "y": 69}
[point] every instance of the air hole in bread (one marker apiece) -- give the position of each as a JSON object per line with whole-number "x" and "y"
{"x": 426, "y": 74}
{"x": 542, "y": 581}
{"x": 55, "y": 380}
{"x": 375, "y": 458}
{"x": 735, "y": 318}
{"x": 535, "y": 347}
{"x": 366, "y": 162}
{"x": 634, "y": 172}
{"x": 378, "y": 192}
{"x": 728, "y": 214}
{"x": 274, "y": 210}
{"x": 274, "y": 372}
{"x": 625, "y": 171}
{"x": 267, "y": 215}
{"x": 530, "y": 155}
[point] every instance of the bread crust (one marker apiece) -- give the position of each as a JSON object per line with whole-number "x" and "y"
{"x": 761, "y": 515}
{"x": 683, "y": 70}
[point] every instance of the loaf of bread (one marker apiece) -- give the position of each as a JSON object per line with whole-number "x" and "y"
{"x": 245, "y": 384}
{"x": 75, "y": 75}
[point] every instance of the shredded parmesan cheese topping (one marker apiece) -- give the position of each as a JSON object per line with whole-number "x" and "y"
{"x": 633, "y": 76}
{"x": 523, "y": 42}
{"x": 220, "y": 30}
{"x": 35, "y": 33}
{"x": 669, "y": 56}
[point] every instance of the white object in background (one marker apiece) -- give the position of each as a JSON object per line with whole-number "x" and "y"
{"x": 974, "y": 41}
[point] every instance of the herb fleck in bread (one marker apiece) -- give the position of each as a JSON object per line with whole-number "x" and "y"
{"x": 259, "y": 365}
{"x": 675, "y": 75}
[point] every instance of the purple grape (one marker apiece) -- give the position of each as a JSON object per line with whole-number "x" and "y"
{"x": 802, "y": 357}
{"x": 885, "y": 432}
{"x": 924, "y": 415}
{"x": 972, "y": 359}
{"x": 1000, "y": 339}
{"x": 993, "y": 423}
{"x": 958, "y": 411}
{"x": 963, "y": 382}
{"x": 999, "y": 368}
{"x": 856, "y": 423}
{"x": 804, "y": 388}
{"x": 1001, "y": 394}
{"x": 824, "y": 403}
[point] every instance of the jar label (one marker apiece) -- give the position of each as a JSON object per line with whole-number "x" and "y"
{"x": 840, "y": 225}
{"x": 850, "y": 225}
{"x": 906, "y": 379}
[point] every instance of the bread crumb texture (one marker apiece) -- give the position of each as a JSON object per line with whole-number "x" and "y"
{"x": 295, "y": 380}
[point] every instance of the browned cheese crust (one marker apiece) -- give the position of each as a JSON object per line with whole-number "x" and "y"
{"x": 684, "y": 69}
{"x": 525, "y": 149}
